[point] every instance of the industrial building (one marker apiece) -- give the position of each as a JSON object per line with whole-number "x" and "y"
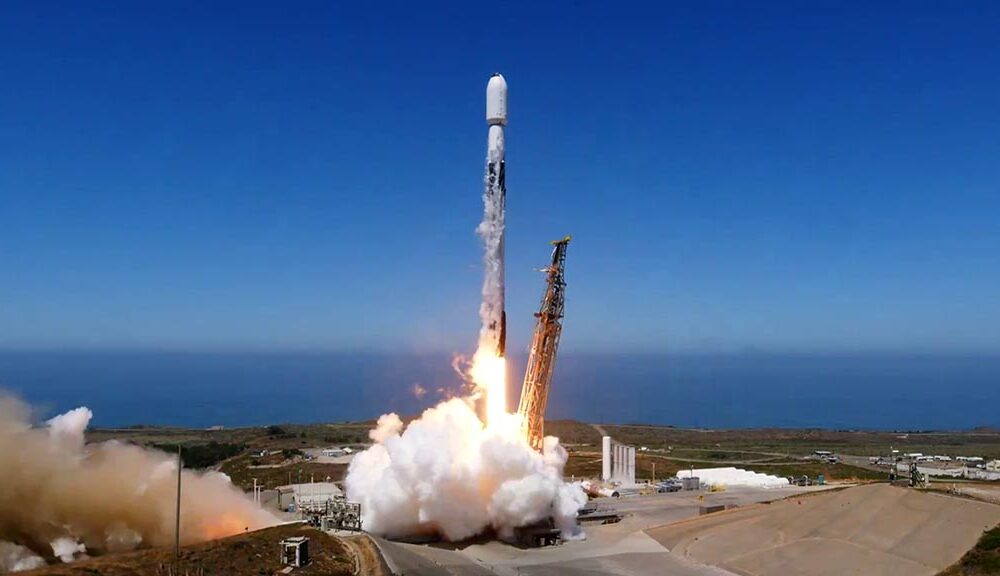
{"x": 296, "y": 496}
{"x": 618, "y": 462}
{"x": 729, "y": 476}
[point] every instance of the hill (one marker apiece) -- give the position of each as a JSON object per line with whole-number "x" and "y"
{"x": 255, "y": 553}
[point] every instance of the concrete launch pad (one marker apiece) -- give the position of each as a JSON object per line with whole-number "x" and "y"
{"x": 621, "y": 548}
{"x": 872, "y": 529}
{"x": 875, "y": 529}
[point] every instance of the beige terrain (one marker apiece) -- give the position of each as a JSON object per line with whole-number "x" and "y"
{"x": 872, "y": 530}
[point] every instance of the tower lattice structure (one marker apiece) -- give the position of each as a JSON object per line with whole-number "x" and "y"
{"x": 544, "y": 345}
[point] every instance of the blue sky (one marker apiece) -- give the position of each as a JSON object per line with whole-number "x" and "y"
{"x": 736, "y": 176}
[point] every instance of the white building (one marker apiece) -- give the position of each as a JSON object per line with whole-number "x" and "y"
{"x": 618, "y": 462}
{"x": 931, "y": 470}
{"x": 311, "y": 494}
{"x": 729, "y": 476}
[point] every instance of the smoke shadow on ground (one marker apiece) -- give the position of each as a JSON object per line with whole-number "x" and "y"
{"x": 435, "y": 541}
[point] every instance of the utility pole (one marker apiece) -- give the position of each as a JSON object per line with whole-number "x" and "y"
{"x": 177, "y": 525}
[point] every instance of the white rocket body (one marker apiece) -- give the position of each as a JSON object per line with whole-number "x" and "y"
{"x": 495, "y": 197}
{"x": 496, "y": 101}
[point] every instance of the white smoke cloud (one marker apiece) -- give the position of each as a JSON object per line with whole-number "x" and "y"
{"x": 418, "y": 391}
{"x": 60, "y": 497}
{"x": 17, "y": 558}
{"x": 66, "y": 548}
{"x": 71, "y": 424}
{"x": 446, "y": 474}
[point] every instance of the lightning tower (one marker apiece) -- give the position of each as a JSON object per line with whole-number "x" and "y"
{"x": 544, "y": 345}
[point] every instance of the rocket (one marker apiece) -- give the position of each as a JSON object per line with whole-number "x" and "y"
{"x": 495, "y": 198}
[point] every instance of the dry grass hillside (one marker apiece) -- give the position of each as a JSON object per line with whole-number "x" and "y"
{"x": 983, "y": 559}
{"x": 253, "y": 554}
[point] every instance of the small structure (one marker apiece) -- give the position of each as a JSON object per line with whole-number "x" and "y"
{"x": 306, "y": 496}
{"x": 711, "y": 509}
{"x": 541, "y": 533}
{"x": 592, "y": 513}
{"x": 341, "y": 515}
{"x": 932, "y": 469}
{"x": 295, "y": 551}
{"x": 729, "y": 476}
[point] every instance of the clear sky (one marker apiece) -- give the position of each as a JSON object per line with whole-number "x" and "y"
{"x": 819, "y": 176}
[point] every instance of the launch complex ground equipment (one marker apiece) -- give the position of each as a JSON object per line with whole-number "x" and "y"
{"x": 332, "y": 514}
{"x": 295, "y": 551}
{"x": 544, "y": 345}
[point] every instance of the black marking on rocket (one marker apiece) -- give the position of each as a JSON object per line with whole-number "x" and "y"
{"x": 502, "y": 347}
{"x": 498, "y": 179}
{"x": 498, "y": 182}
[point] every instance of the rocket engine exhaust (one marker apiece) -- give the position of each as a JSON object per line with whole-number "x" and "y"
{"x": 454, "y": 471}
{"x": 489, "y": 367}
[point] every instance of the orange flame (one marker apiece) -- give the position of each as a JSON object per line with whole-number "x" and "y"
{"x": 489, "y": 372}
{"x": 225, "y": 525}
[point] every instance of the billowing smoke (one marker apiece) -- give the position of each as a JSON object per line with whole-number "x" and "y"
{"x": 15, "y": 558}
{"x": 447, "y": 474}
{"x": 61, "y": 499}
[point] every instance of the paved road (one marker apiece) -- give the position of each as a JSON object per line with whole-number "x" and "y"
{"x": 862, "y": 462}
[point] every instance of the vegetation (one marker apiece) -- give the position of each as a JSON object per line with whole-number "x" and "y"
{"x": 801, "y": 442}
{"x": 982, "y": 559}
{"x": 203, "y": 455}
{"x": 653, "y": 465}
{"x": 830, "y": 472}
{"x": 242, "y": 470}
{"x": 573, "y": 433}
{"x": 775, "y": 451}
{"x": 252, "y": 553}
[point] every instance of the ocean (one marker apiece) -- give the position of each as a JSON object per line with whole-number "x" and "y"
{"x": 883, "y": 392}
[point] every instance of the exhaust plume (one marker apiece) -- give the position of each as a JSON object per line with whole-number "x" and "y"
{"x": 450, "y": 472}
{"x": 62, "y": 498}
{"x": 15, "y": 558}
{"x": 446, "y": 474}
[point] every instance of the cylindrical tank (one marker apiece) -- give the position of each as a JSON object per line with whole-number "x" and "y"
{"x": 606, "y": 458}
{"x": 494, "y": 144}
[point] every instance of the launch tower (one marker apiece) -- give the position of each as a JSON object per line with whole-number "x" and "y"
{"x": 544, "y": 345}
